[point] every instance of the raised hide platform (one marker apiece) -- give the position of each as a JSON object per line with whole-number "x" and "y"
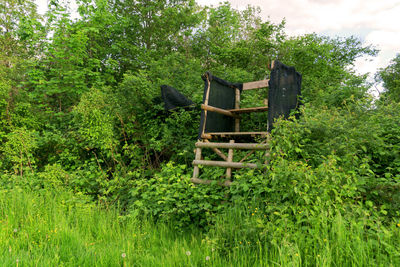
{"x": 221, "y": 115}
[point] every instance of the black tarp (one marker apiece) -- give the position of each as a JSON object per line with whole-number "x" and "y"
{"x": 173, "y": 98}
{"x": 283, "y": 93}
{"x": 222, "y": 95}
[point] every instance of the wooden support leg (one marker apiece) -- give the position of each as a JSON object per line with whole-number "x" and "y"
{"x": 237, "y": 106}
{"x": 196, "y": 169}
{"x": 230, "y": 159}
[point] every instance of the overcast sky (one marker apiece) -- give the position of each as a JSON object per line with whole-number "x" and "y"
{"x": 375, "y": 22}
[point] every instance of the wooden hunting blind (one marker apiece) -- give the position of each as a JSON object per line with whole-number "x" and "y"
{"x": 220, "y": 117}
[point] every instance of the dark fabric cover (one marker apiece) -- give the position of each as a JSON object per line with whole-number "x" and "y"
{"x": 173, "y": 98}
{"x": 222, "y": 95}
{"x": 283, "y": 93}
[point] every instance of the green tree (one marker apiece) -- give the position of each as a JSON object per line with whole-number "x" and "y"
{"x": 327, "y": 66}
{"x": 390, "y": 76}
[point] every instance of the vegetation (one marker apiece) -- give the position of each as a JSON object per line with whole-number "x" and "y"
{"x": 93, "y": 171}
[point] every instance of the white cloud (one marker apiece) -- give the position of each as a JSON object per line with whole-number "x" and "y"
{"x": 42, "y": 6}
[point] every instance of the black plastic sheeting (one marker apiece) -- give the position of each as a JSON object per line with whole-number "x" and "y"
{"x": 283, "y": 93}
{"x": 222, "y": 95}
{"x": 173, "y": 98}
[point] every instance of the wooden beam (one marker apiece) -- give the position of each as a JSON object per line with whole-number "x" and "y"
{"x": 207, "y": 182}
{"x": 224, "y": 164}
{"x": 255, "y": 85}
{"x": 210, "y": 135}
{"x": 206, "y": 103}
{"x": 251, "y": 146}
{"x": 248, "y": 110}
{"x": 215, "y": 149}
{"x": 218, "y": 110}
{"x": 247, "y": 155}
{"x": 206, "y": 136}
{"x": 237, "y": 106}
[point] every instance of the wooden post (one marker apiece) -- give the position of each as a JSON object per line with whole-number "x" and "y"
{"x": 230, "y": 159}
{"x": 206, "y": 103}
{"x": 196, "y": 169}
{"x": 237, "y": 106}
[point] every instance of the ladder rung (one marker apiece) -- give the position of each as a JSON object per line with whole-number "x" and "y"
{"x": 223, "y": 134}
{"x": 201, "y": 181}
{"x": 233, "y": 145}
{"x": 224, "y": 164}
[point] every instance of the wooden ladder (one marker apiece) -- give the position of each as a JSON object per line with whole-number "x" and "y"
{"x": 228, "y": 162}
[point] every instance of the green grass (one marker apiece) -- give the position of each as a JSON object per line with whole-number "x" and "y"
{"x": 49, "y": 228}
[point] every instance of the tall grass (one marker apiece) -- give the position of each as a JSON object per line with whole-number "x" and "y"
{"x": 58, "y": 228}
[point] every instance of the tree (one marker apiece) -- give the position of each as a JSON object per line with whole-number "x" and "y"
{"x": 390, "y": 76}
{"x": 327, "y": 66}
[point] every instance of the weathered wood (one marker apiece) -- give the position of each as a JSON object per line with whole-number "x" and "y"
{"x": 207, "y": 182}
{"x": 272, "y": 65}
{"x": 237, "y": 106}
{"x": 248, "y": 110}
{"x": 206, "y": 103}
{"x": 216, "y": 150}
{"x": 210, "y": 135}
{"x": 247, "y": 155}
{"x": 206, "y": 136}
{"x": 255, "y": 85}
{"x": 218, "y": 110}
{"x": 252, "y": 146}
{"x": 224, "y": 164}
{"x": 230, "y": 159}
{"x": 196, "y": 168}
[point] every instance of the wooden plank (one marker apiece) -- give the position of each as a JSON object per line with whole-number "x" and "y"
{"x": 218, "y": 110}
{"x": 215, "y": 149}
{"x": 255, "y": 85}
{"x": 230, "y": 159}
{"x": 248, "y": 110}
{"x": 207, "y": 182}
{"x": 251, "y": 146}
{"x": 224, "y": 164}
{"x": 210, "y": 135}
{"x": 196, "y": 168}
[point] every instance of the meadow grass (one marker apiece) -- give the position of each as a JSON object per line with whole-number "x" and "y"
{"x": 59, "y": 228}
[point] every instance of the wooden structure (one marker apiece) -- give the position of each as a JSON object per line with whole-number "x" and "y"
{"x": 206, "y": 138}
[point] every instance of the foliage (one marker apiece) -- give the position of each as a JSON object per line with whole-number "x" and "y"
{"x": 171, "y": 197}
{"x": 61, "y": 228}
{"x": 390, "y": 76}
{"x": 81, "y": 120}
{"x": 326, "y": 66}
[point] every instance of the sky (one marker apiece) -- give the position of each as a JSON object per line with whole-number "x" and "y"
{"x": 375, "y": 22}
